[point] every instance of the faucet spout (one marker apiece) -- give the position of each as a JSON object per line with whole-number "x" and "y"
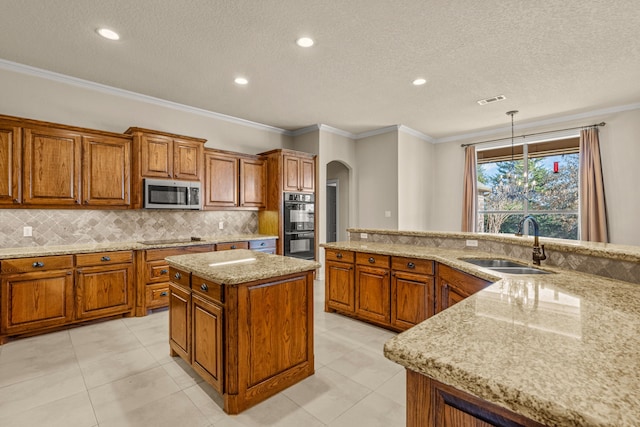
{"x": 538, "y": 250}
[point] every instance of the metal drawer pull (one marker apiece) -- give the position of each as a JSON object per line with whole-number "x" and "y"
{"x": 204, "y": 287}
{"x": 178, "y": 276}
{"x": 411, "y": 265}
{"x": 372, "y": 260}
{"x": 37, "y": 264}
{"x": 164, "y": 294}
{"x": 105, "y": 258}
{"x": 339, "y": 256}
{"x": 262, "y": 244}
{"x": 233, "y": 246}
{"x": 164, "y": 271}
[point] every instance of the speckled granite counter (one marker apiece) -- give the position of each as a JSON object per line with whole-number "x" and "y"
{"x": 239, "y": 266}
{"x": 33, "y": 251}
{"x": 561, "y": 349}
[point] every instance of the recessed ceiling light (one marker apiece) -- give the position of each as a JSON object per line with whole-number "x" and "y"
{"x": 108, "y": 34}
{"x": 241, "y": 81}
{"x": 304, "y": 42}
{"x": 419, "y": 82}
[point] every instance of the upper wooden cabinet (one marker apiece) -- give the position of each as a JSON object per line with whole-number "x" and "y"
{"x": 106, "y": 171}
{"x": 10, "y": 164}
{"x": 165, "y": 155}
{"x": 299, "y": 174}
{"x": 234, "y": 180}
{"x": 51, "y": 169}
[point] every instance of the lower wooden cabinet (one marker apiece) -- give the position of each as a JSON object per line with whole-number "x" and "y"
{"x": 373, "y": 293}
{"x": 453, "y": 286}
{"x": 180, "y": 321}
{"x": 207, "y": 345}
{"x": 411, "y": 299}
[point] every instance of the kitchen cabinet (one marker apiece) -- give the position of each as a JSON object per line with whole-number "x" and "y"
{"x": 234, "y": 180}
{"x": 37, "y": 293}
{"x": 153, "y": 275}
{"x": 10, "y": 164}
{"x": 207, "y": 318}
{"x": 453, "y": 286}
{"x": 51, "y": 166}
{"x": 412, "y": 291}
{"x": 299, "y": 174}
{"x": 267, "y": 245}
{"x": 106, "y": 171}
{"x": 180, "y": 319}
{"x": 373, "y": 288}
{"x": 339, "y": 281}
{"x": 226, "y": 246}
{"x": 433, "y": 404}
{"x": 104, "y": 284}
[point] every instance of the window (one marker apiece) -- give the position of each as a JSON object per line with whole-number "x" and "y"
{"x": 539, "y": 179}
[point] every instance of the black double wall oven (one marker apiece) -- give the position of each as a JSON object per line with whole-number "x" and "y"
{"x": 299, "y": 225}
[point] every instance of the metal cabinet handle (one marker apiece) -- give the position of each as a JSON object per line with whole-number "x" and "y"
{"x": 372, "y": 260}
{"x": 105, "y": 258}
{"x": 164, "y": 271}
{"x": 16, "y": 201}
{"x": 411, "y": 265}
{"x": 177, "y": 276}
{"x": 262, "y": 244}
{"x": 164, "y": 294}
{"x": 204, "y": 287}
{"x": 233, "y": 246}
{"x": 37, "y": 264}
{"x": 339, "y": 255}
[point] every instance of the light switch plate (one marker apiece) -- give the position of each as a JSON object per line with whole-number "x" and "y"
{"x": 221, "y": 225}
{"x": 472, "y": 243}
{"x": 363, "y": 235}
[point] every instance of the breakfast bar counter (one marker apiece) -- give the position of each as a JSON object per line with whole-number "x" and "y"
{"x": 243, "y": 320}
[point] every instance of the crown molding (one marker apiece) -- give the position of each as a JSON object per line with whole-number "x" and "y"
{"x": 337, "y": 131}
{"x": 540, "y": 123}
{"x": 417, "y": 134}
{"x": 99, "y": 87}
{"x": 378, "y": 131}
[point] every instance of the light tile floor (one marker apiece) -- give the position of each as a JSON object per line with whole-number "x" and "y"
{"x": 119, "y": 373}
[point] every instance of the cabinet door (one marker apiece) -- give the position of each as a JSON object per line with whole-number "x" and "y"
{"x": 373, "y": 293}
{"x": 187, "y": 160}
{"x": 106, "y": 171}
{"x": 453, "y": 286}
{"x": 33, "y": 301}
{"x": 340, "y": 288}
{"x": 10, "y": 165}
{"x": 180, "y": 321}
{"x": 291, "y": 174}
{"x": 156, "y": 153}
{"x": 253, "y": 179}
{"x": 448, "y": 295}
{"x": 221, "y": 180}
{"x": 411, "y": 299}
{"x": 307, "y": 175}
{"x": 207, "y": 340}
{"x": 51, "y": 174}
{"x": 104, "y": 291}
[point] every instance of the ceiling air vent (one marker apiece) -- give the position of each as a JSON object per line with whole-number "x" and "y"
{"x": 493, "y": 99}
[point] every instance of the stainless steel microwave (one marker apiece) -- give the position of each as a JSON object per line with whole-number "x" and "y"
{"x": 170, "y": 194}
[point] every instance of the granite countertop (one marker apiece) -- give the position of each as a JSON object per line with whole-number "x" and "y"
{"x": 561, "y": 349}
{"x": 34, "y": 251}
{"x": 239, "y": 266}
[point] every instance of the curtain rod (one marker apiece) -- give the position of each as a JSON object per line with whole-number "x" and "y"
{"x": 532, "y": 134}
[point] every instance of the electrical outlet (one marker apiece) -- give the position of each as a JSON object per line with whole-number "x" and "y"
{"x": 387, "y": 214}
{"x": 27, "y": 231}
{"x": 363, "y": 235}
{"x": 221, "y": 225}
{"x": 472, "y": 243}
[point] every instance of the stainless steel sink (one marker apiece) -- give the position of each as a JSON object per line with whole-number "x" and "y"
{"x": 492, "y": 263}
{"x": 504, "y": 266}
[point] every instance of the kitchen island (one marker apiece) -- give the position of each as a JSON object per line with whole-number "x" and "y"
{"x": 557, "y": 349}
{"x": 244, "y": 321}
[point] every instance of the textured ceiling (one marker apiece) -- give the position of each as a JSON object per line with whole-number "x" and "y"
{"x": 549, "y": 58}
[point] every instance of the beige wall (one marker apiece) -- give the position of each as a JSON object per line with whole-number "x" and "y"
{"x": 415, "y": 182}
{"x": 620, "y": 150}
{"x": 45, "y": 99}
{"x": 338, "y": 172}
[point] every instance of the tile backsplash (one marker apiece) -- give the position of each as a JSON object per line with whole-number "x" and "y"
{"x": 65, "y": 227}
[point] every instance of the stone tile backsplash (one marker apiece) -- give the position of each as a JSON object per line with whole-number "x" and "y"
{"x": 65, "y": 227}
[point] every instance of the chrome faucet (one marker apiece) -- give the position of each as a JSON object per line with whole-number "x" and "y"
{"x": 538, "y": 250}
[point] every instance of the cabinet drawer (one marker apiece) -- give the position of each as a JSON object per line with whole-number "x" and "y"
{"x": 211, "y": 290}
{"x": 372, "y": 259}
{"x": 27, "y": 265}
{"x": 180, "y": 277}
{"x": 157, "y": 295}
{"x": 262, "y": 244}
{"x": 338, "y": 255}
{"x": 104, "y": 258}
{"x": 157, "y": 271}
{"x": 231, "y": 245}
{"x": 158, "y": 254}
{"x": 412, "y": 265}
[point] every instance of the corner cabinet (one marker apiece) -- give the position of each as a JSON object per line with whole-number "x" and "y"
{"x": 10, "y": 164}
{"x": 453, "y": 286}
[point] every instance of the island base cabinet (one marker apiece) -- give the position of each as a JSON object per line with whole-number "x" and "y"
{"x": 180, "y": 322}
{"x": 433, "y": 404}
{"x": 207, "y": 341}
